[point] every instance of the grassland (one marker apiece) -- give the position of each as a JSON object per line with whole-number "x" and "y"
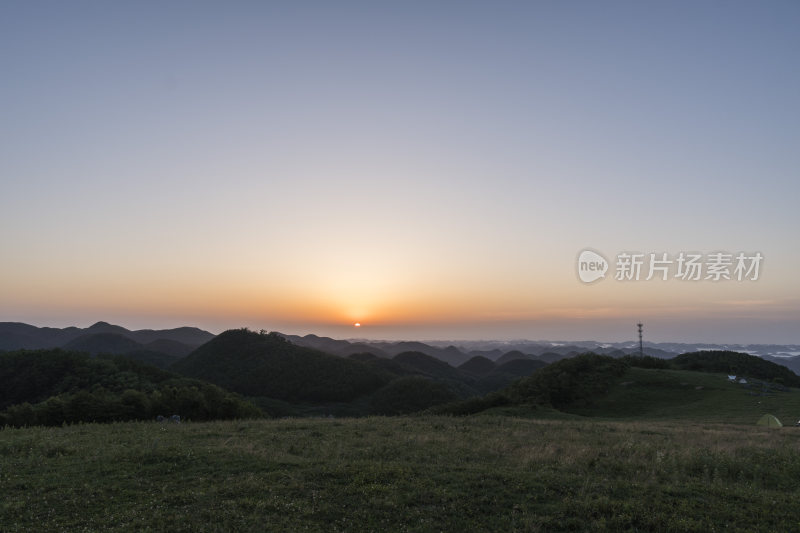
{"x": 660, "y": 450}
{"x": 481, "y": 473}
{"x": 645, "y": 394}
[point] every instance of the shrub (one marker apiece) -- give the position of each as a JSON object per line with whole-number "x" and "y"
{"x": 572, "y": 381}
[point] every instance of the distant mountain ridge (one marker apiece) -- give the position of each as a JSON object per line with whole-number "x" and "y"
{"x": 162, "y": 347}
{"x": 300, "y": 376}
{"x": 450, "y": 354}
{"x": 157, "y": 347}
{"x": 271, "y": 368}
{"x": 17, "y": 335}
{"x": 457, "y": 353}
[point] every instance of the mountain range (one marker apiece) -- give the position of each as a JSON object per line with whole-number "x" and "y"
{"x": 157, "y": 347}
{"x": 269, "y": 368}
{"x": 285, "y": 375}
{"x": 16, "y": 335}
{"x": 164, "y": 347}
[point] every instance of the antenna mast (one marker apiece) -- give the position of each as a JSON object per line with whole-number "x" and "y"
{"x": 641, "y": 349}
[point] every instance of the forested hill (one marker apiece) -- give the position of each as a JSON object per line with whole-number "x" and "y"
{"x": 735, "y": 363}
{"x": 626, "y": 386}
{"x": 267, "y": 365}
{"x": 50, "y": 387}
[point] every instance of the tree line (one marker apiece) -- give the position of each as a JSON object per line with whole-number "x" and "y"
{"x": 53, "y": 387}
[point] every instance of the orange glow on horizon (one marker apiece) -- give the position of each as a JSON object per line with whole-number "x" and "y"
{"x": 382, "y": 296}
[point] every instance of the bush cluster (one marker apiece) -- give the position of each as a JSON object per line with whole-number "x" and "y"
{"x": 52, "y": 387}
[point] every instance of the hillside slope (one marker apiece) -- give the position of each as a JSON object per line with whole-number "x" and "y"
{"x": 50, "y": 387}
{"x": 267, "y": 365}
{"x": 656, "y": 394}
{"x": 597, "y": 386}
{"x": 735, "y": 363}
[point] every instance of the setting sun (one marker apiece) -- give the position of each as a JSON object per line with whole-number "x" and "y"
{"x": 357, "y": 324}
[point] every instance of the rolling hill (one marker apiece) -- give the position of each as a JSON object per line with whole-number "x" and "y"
{"x": 161, "y": 353}
{"x": 478, "y": 366}
{"x": 17, "y": 336}
{"x": 656, "y": 394}
{"x": 691, "y": 388}
{"x": 333, "y": 346}
{"x": 94, "y": 343}
{"x": 735, "y": 363}
{"x": 51, "y": 387}
{"x": 267, "y": 365}
{"x": 505, "y": 374}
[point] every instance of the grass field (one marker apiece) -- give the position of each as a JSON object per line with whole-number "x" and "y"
{"x": 482, "y": 473}
{"x": 644, "y": 394}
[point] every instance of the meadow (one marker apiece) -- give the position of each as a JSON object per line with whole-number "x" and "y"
{"x": 540, "y": 472}
{"x": 654, "y": 394}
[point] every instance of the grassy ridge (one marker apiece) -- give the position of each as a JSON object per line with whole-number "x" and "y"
{"x": 735, "y": 363}
{"x": 395, "y": 474}
{"x": 601, "y": 387}
{"x": 651, "y": 394}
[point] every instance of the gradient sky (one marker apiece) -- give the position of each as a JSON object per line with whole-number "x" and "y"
{"x": 429, "y": 169}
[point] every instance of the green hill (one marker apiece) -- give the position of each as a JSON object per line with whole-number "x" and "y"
{"x": 109, "y": 342}
{"x": 425, "y": 365}
{"x": 170, "y": 347}
{"x": 150, "y": 357}
{"x": 512, "y": 356}
{"x": 478, "y": 366}
{"x": 602, "y": 387}
{"x": 428, "y": 365}
{"x": 507, "y": 373}
{"x": 160, "y": 353}
{"x": 574, "y": 381}
{"x": 735, "y": 363}
{"x": 653, "y": 394}
{"x": 520, "y": 367}
{"x": 267, "y": 365}
{"x": 384, "y": 365}
{"x": 50, "y": 387}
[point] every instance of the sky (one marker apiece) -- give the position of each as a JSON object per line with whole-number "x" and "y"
{"x": 430, "y": 170}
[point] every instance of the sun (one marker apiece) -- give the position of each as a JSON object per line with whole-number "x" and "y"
{"x": 357, "y": 324}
